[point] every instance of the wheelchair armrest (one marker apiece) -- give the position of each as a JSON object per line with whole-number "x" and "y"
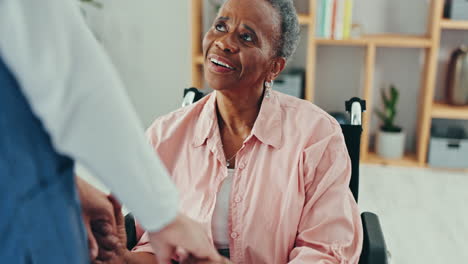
{"x": 374, "y": 250}
{"x": 130, "y": 229}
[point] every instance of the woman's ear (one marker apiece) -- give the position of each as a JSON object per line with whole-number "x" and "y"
{"x": 277, "y": 67}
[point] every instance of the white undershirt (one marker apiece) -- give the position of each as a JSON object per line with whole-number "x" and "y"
{"x": 220, "y": 221}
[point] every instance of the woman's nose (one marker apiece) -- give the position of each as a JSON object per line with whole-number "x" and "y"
{"x": 226, "y": 44}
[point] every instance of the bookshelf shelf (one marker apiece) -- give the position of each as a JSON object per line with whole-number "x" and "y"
{"x": 442, "y": 110}
{"x": 342, "y": 42}
{"x": 400, "y": 41}
{"x": 409, "y": 160}
{"x": 454, "y": 24}
{"x": 381, "y": 41}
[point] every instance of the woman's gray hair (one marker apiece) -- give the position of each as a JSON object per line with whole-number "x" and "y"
{"x": 290, "y": 29}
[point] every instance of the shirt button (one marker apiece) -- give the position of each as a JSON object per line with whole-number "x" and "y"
{"x": 237, "y": 199}
{"x": 242, "y": 166}
{"x": 234, "y": 235}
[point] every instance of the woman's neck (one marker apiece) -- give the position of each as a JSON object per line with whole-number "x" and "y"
{"x": 236, "y": 112}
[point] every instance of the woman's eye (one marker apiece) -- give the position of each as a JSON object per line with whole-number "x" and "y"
{"x": 220, "y": 28}
{"x": 247, "y": 37}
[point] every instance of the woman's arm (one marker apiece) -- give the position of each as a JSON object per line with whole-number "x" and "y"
{"x": 98, "y": 217}
{"x": 330, "y": 229}
{"x": 140, "y": 258}
{"x": 120, "y": 254}
{"x": 129, "y": 258}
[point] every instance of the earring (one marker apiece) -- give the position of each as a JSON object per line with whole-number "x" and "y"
{"x": 268, "y": 86}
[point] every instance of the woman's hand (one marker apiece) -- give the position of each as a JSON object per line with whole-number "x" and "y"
{"x": 99, "y": 219}
{"x": 192, "y": 260}
{"x": 119, "y": 253}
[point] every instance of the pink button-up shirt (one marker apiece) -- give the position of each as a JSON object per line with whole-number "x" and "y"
{"x": 290, "y": 201}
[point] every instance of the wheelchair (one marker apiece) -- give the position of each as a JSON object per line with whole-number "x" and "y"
{"x": 374, "y": 250}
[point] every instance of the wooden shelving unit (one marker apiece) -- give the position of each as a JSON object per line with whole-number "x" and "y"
{"x": 445, "y": 111}
{"x": 380, "y": 41}
{"x": 430, "y": 43}
{"x": 409, "y": 160}
{"x": 430, "y": 108}
{"x": 454, "y": 24}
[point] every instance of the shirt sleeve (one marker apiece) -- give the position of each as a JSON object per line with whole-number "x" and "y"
{"x": 143, "y": 244}
{"x": 74, "y": 90}
{"x": 330, "y": 229}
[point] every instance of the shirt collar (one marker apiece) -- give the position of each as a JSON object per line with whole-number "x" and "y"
{"x": 207, "y": 121}
{"x": 267, "y": 127}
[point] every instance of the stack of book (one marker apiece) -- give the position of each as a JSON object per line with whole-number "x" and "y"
{"x": 334, "y": 19}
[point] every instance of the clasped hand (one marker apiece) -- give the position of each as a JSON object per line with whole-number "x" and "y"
{"x": 107, "y": 239}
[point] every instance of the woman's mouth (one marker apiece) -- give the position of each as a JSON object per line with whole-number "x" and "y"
{"x": 221, "y": 66}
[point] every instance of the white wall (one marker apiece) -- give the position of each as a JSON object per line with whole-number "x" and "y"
{"x": 148, "y": 41}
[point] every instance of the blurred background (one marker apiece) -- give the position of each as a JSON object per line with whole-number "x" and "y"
{"x": 412, "y": 45}
{"x": 149, "y": 44}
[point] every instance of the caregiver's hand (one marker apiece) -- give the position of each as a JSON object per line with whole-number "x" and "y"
{"x": 99, "y": 220}
{"x": 184, "y": 233}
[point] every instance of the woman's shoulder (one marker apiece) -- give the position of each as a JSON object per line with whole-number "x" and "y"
{"x": 305, "y": 113}
{"x": 308, "y": 123}
{"x": 180, "y": 118}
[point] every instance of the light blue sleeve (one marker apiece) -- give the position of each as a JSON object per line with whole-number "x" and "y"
{"x": 74, "y": 89}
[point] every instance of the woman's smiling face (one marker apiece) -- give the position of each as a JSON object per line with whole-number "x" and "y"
{"x": 240, "y": 47}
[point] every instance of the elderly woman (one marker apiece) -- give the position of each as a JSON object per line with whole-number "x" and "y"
{"x": 266, "y": 173}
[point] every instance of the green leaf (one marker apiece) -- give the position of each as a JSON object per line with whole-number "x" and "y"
{"x": 394, "y": 95}
{"x": 385, "y": 99}
{"x": 387, "y": 115}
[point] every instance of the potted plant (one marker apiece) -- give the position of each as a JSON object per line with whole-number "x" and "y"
{"x": 390, "y": 138}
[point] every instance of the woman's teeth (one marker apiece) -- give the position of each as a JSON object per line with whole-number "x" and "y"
{"x": 215, "y": 61}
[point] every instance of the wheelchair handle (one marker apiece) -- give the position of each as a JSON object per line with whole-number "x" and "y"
{"x": 191, "y": 95}
{"x": 189, "y": 98}
{"x": 355, "y": 106}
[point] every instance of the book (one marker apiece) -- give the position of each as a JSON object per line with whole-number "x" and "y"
{"x": 327, "y": 18}
{"x": 333, "y": 19}
{"x": 319, "y": 19}
{"x": 348, "y": 19}
{"x": 338, "y": 32}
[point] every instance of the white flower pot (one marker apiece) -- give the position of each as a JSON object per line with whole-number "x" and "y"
{"x": 391, "y": 145}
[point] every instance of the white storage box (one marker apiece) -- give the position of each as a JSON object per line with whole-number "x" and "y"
{"x": 459, "y": 10}
{"x": 450, "y": 153}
